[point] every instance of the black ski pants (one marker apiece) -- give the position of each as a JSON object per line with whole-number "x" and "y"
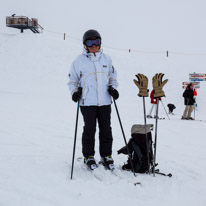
{"x": 92, "y": 115}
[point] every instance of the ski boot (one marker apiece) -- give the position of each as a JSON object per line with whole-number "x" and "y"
{"x": 190, "y": 118}
{"x": 107, "y": 162}
{"x": 90, "y": 162}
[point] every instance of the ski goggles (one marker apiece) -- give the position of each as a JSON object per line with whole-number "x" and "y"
{"x": 91, "y": 42}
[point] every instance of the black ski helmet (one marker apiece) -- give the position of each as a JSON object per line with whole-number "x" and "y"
{"x": 91, "y": 33}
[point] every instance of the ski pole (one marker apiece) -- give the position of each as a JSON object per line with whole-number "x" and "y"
{"x": 155, "y": 143}
{"x": 165, "y": 109}
{"x": 124, "y": 137}
{"x": 75, "y": 137}
{"x": 194, "y": 110}
{"x": 145, "y": 123}
{"x": 75, "y": 134}
{"x": 194, "y": 113}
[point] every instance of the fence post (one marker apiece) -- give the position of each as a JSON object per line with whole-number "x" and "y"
{"x": 64, "y": 36}
{"x": 167, "y": 53}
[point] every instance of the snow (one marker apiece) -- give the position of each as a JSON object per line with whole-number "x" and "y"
{"x": 37, "y": 115}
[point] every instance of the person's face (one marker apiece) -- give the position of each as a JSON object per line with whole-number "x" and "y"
{"x": 93, "y": 48}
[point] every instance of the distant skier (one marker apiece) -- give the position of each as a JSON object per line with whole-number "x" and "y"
{"x": 189, "y": 102}
{"x": 94, "y": 73}
{"x": 195, "y": 92}
{"x": 195, "y": 97}
{"x": 171, "y": 108}
{"x": 154, "y": 105}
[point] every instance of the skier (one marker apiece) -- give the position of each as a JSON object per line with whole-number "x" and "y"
{"x": 189, "y": 101}
{"x": 195, "y": 92}
{"x": 195, "y": 98}
{"x": 171, "y": 107}
{"x": 154, "y": 105}
{"x": 94, "y": 73}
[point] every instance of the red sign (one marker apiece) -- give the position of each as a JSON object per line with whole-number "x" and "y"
{"x": 196, "y": 85}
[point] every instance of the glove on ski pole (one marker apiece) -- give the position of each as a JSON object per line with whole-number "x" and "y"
{"x": 77, "y": 95}
{"x": 113, "y": 92}
{"x": 158, "y": 85}
{"x": 142, "y": 84}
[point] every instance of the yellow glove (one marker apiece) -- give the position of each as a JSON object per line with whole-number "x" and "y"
{"x": 142, "y": 84}
{"x": 158, "y": 85}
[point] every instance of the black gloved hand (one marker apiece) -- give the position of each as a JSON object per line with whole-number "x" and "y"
{"x": 113, "y": 92}
{"x": 77, "y": 95}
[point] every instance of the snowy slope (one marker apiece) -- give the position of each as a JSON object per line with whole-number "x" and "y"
{"x": 37, "y": 115}
{"x": 37, "y": 128}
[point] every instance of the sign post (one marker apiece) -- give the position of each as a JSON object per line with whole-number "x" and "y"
{"x": 197, "y": 77}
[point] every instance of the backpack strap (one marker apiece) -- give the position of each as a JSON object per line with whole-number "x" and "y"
{"x": 139, "y": 156}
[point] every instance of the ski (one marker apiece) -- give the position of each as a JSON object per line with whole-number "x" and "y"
{"x": 99, "y": 177}
{"x": 190, "y": 120}
{"x": 157, "y": 171}
{"x": 161, "y": 118}
{"x": 97, "y": 173}
{"x": 150, "y": 117}
{"x": 197, "y": 120}
{"x": 85, "y": 167}
{"x": 160, "y": 173}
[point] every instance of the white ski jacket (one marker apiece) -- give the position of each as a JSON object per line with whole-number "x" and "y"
{"x": 94, "y": 73}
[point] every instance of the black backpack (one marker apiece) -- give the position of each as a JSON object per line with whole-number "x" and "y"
{"x": 137, "y": 147}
